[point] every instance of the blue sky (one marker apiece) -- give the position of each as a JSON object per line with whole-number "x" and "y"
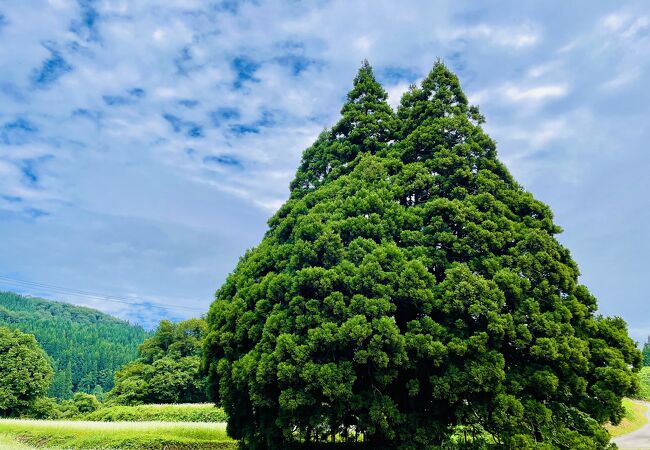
{"x": 143, "y": 145}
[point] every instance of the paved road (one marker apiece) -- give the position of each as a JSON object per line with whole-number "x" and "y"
{"x": 636, "y": 440}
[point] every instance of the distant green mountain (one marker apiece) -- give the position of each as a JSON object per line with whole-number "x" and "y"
{"x": 86, "y": 345}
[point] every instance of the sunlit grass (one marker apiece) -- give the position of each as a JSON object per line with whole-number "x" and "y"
{"x": 7, "y": 443}
{"x": 114, "y": 435}
{"x": 634, "y": 419}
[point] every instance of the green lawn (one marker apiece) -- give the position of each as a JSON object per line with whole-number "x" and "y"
{"x": 634, "y": 419}
{"x": 113, "y": 435}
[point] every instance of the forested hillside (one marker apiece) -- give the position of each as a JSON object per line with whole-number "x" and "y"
{"x": 86, "y": 346}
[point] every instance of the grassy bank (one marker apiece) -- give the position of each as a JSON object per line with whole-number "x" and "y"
{"x": 116, "y": 435}
{"x": 9, "y": 443}
{"x": 634, "y": 419}
{"x": 200, "y": 412}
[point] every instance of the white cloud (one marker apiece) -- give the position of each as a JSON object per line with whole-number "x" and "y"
{"x": 121, "y": 168}
{"x": 615, "y": 21}
{"x": 536, "y": 93}
{"x": 540, "y": 70}
{"x": 363, "y": 44}
{"x": 158, "y": 35}
{"x": 639, "y": 25}
{"x": 628, "y": 76}
{"x": 395, "y": 93}
{"x": 507, "y": 36}
{"x": 546, "y": 133}
{"x": 518, "y": 93}
{"x": 626, "y": 25}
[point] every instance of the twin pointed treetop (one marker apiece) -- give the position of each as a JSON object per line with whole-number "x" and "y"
{"x": 367, "y": 125}
{"x": 367, "y": 117}
{"x": 410, "y": 286}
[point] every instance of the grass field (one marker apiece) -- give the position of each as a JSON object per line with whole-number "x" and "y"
{"x": 634, "y": 419}
{"x": 26, "y": 434}
{"x": 8, "y": 443}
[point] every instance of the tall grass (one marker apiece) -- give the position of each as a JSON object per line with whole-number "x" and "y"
{"x": 117, "y": 435}
{"x": 7, "y": 443}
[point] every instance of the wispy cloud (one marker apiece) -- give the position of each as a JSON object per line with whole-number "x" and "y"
{"x": 535, "y": 93}
{"x": 162, "y": 135}
{"x": 531, "y": 95}
{"x": 517, "y": 36}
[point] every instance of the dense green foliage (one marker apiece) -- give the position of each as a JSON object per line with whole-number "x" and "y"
{"x": 168, "y": 369}
{"x": 199, "y": 412}
{"x": 410, "y": 287}
{"x": 646, "y": 352}
{"x": 86, "y": 403}
{"x": 118, "y": 436}
{"x": 86, "y": 346}
{"x": 644, "y": 384}
{"x": 88, "y": 409}
{"x": 53, "y": 409}
{"x": 25, "y": 371}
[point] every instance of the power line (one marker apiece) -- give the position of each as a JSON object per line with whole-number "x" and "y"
{"x": 74, "y": 291}
{"x": 94, "y": 295}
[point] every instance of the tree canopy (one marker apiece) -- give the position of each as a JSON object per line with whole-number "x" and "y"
{"x": 25, "y": 371}
{"x": 410, "y": 288}
{"x": 646, "y": 352}
{"x": 168, "y": 369}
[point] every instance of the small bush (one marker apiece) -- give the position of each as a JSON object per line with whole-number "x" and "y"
{"x": 44, "y": 408}
{"x": 86, "y": 403}
{"x": 68, "y": 409}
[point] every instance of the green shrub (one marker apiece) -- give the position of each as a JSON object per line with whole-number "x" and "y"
{"x": 68, "y": 409}
{"x": 49, "y": 408}
{"x": 158, "y": 413}
{"x": 86, "y": 403}
{"x": 644, "y": 379}
{"x": 44, "y": 408}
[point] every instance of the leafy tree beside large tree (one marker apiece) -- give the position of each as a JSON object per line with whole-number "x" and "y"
{"x": 168, "y": 370}
{"x": 25, "y": 371}
{"x": 408, "y": 287}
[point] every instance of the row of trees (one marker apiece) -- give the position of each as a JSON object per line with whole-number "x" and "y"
{"x": 410, "y": 288}
{"x": 168, "y": 370}
{"x": 86, "y": 346}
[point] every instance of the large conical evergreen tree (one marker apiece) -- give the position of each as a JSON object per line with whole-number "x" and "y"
{"x": 410, "y": 289}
